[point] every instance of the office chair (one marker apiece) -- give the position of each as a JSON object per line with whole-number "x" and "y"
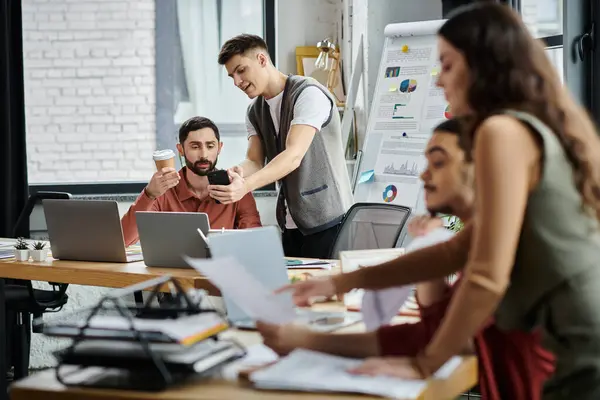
{"x": 370, "y": 226}
{"x": 23, "y": 301}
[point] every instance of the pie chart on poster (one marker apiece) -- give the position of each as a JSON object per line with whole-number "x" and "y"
{"x": 408, "y": 86}
{"x": 389, "y": 193}
{"x": 447, "y": 114}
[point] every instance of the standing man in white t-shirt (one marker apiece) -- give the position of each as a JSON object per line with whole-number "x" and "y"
{"x": 294, "y": 138}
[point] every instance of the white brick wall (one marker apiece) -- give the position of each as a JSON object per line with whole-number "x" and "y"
{"x": 89, "y": 89}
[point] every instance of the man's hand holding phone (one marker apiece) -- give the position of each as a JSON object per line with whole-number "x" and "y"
{"x": 226, "y": 186}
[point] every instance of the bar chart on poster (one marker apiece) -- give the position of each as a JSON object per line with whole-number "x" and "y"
{"x": 407, "y": 105}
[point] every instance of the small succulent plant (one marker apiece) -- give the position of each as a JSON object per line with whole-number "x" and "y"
{"x": 39, "y": 246}
{"x": 21, "y": 244}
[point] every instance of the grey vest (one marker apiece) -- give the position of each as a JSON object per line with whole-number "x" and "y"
{"x": 558, "y": 240}
{"x": 318, "y": 192}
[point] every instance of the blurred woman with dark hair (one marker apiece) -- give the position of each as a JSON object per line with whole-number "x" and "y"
{"x": 511, "y": 364}
{"x": 533, "y": 247}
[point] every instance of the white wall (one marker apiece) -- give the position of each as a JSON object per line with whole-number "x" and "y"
{"x": 303, "y": 23}
{"x": 89, "y": 89}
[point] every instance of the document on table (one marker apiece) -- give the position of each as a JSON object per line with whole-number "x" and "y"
{"x": 303, "y": 370}
{"x": 380, "y": 306}
{"x": 245, "y": 290}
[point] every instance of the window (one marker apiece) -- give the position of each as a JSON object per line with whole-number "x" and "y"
{"x": 197, "y": 84}
{"x": 568, "y": 34}
{"x": 108, "y": 82}
{"x": 544, "y": 18}
{"x": 594, "y": 80}
{"x": 555, "y": 54}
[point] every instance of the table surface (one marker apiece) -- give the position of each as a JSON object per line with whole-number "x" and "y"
{"x": 44, "y": 386}
{"x": 107, "y": 274}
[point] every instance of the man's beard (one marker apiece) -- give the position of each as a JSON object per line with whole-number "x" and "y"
{"x": 196, "y": 169}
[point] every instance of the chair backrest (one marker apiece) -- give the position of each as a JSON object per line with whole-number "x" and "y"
{"x": 370, "y": 226}
{"x": 21, "y": 228}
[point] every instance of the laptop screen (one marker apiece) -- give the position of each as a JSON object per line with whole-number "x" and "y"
{"x": 260, "y": 252}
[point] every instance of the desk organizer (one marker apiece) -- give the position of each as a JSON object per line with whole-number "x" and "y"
{"x": 145, "y": 347}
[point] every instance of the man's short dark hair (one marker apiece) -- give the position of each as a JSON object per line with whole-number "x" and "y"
{"x": 239, "y": 45}
{"x": 194, "y": 124}
{"x": 454, "y": 125}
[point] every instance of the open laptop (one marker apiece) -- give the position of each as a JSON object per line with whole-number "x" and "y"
{"x": 261, "y": 253}
{"x": 86, "y": 230}
{"x": 166, "y": 236}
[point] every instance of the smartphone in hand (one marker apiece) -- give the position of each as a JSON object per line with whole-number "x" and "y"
{"x": 218, "y": 177}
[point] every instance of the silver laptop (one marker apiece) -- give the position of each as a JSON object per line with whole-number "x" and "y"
{"x": 86, "y": 230}
{"x": 261, "y": 253}
{"x": 166, "y": 236}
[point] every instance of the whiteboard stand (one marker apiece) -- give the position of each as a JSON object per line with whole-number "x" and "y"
{"x": 406, "y": 106}
{"x": 349, "y": 109}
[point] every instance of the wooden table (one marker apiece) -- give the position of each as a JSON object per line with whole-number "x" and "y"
{"x": 114, "y": 275}
{"x": 44, "y": 386}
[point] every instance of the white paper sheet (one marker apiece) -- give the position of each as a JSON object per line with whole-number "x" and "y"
{"x": 437, "y": 235}
{"x": 246, "y": 291}
{"x": 304, "y": 370}
{"x": 380, "y": 306}
{"x": 256, "y": 355}
{"x": 354, "y": 259}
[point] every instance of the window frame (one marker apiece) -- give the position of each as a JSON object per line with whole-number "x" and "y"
{"x": 594, "y": 82}
{"x": 578, "y": 18}
{"x": 164, "y": 37}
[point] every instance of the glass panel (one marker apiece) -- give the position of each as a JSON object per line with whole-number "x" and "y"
{"x": 543, "y": 17}
{"x": 555, "y": 54}
{"x": 203, "y": 28}
{"x": 90, "y": 83}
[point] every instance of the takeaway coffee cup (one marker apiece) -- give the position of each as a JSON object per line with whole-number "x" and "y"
{"x": 164, "y": 158}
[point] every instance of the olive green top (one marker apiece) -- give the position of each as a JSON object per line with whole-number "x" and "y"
{"x": 558, "y": 241}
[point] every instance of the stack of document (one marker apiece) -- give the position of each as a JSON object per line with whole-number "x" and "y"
{"x": 310, "y": 371}
{"x": 199, "y": 358}
{"x": 186, "y": 330}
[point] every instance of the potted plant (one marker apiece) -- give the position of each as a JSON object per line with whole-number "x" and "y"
{"x": 21, "y": 250}
{"x": 455, "y": 224}
{"x": 39, "y": 252}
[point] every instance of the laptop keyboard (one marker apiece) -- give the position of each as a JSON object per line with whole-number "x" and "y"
{"x": 135, "y": 257}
